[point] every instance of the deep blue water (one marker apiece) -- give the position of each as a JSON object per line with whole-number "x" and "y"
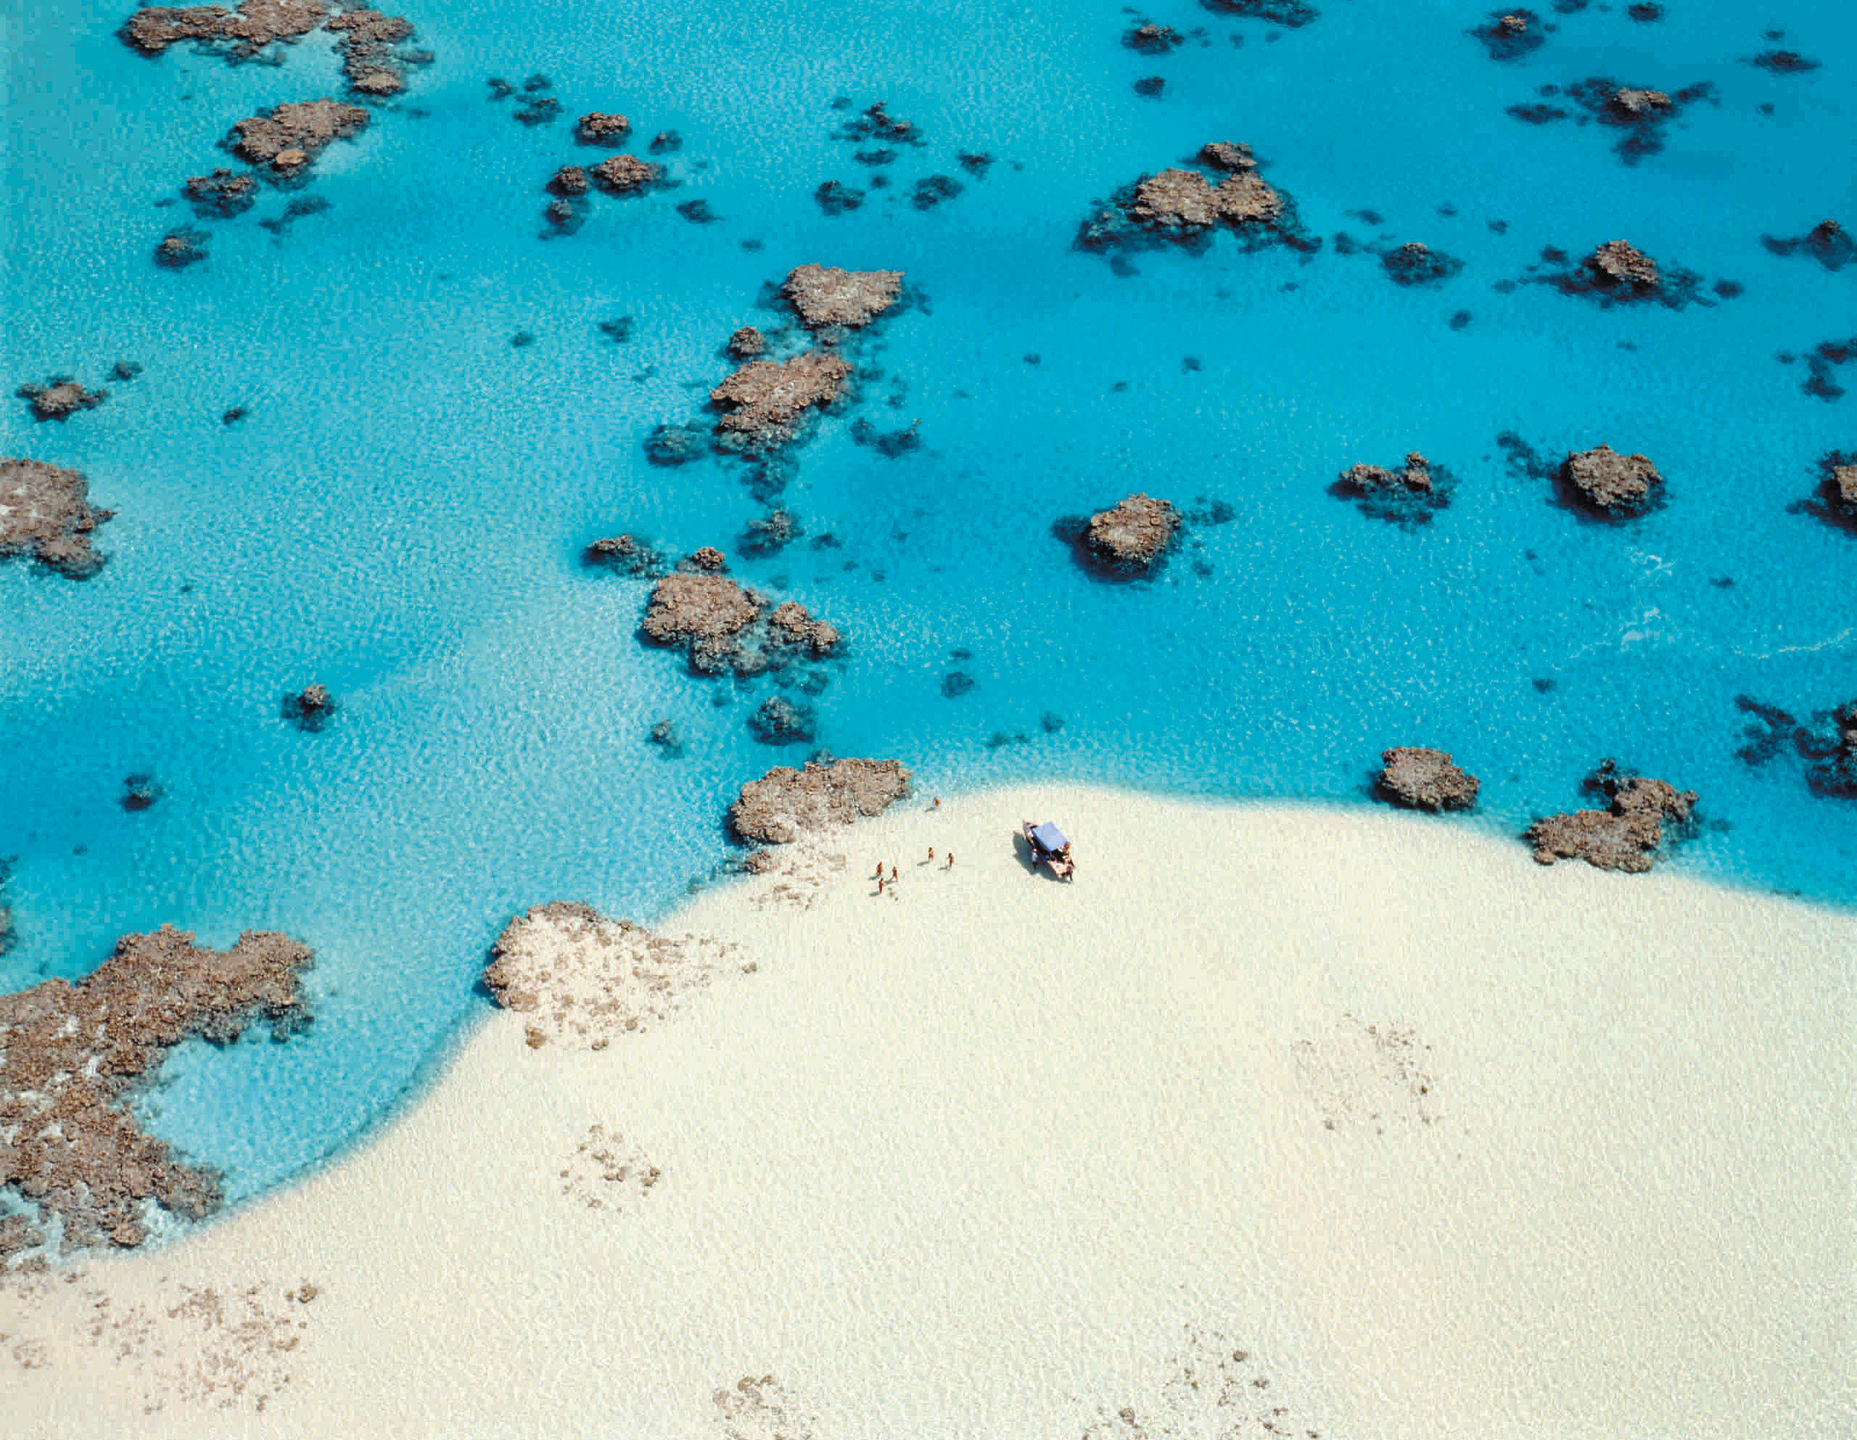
{"x": 402, "y": 512}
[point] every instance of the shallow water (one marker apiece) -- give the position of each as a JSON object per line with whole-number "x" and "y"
{"x": 401, "y": 513}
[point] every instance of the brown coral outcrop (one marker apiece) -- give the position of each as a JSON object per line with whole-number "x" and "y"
{"x": 786, "y": 804}
{"x": 1617, "y": 265}
{"x": 1407, "y": 496}
{"x": 1134, "y": 532}
{"x": 746, "y": 343}
{"x": 1175, "y": 197}
{"x": 627, "y": 553}
{"x": 823, "y": 296}
{"x": 569, "y": 180}
{"x": 769, "y": 395}
{"x": 1425, "y": 779}
{"x": 601, "y": 128}
{"x": 1179, "y": 197}
{"x": 1641, "y": 102}
{"x": 224, "y": 192}
{"x": 706, "y": 613}
{"x": 365, "y": 37}
{"x": 254, "y": 25}
{"x": 60, "y": 397}
{"x": 70, "y": 1054}
{"x": 291, "y": 136}
{"x": 625, "y": 174}
{"x": 1626, "y": 836}
{"x": 180, "y": 248}
{"x": 726, "y": 627}
{"x": 45, "y": 512}
{"x": 794, "y": 626}
{"x": 1414, "y": 477}
{"x": 367, "y": 41}
{"x": 1612, "y": 482}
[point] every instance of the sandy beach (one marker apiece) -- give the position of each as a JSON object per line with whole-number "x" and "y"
{"x": 1279, "y": 1120}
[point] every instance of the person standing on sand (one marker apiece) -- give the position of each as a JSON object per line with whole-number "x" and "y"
{"x": 893, "y": 874}
{"x": 950, "y": 860}
{"x": 931, "y": 854}
{"x": 880, "y": 879}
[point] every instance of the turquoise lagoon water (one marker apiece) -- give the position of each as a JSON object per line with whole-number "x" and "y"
{"x": 401, "y": 513}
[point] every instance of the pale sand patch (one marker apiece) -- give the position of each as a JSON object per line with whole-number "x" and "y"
{"x": 991, "y": 1156}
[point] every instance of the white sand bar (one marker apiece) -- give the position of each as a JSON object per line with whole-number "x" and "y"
{"x": 1444, "y": 1143}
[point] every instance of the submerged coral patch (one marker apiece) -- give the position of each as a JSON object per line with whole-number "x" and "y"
{"x": 290, "y": 137}
{"x": 1290, "y": 14}
{"x": 1618, "y": 273}
{"x": 309, "y": 709}
{"x": 780, "y": 721}
{"x": 372, "y": 44}
{"x": 835, "y": 197}
{"x": 1642, "y": 113}
{"x": 60, "y": 397}
{"x": 1827, "y": 242}
{"x": 628, "y": 555}
{"x": 724, "y": 627}
{"x": 70, "y": 1056}
{"x": 1407, "y": 496}
{"x": 1783, "y": 62}
{"x": 180, "y": 248}
{"x": 1417, "y": 264}
{"x": 1835, "y": 497}
{"x": 1833, "y": 768}
{"x": 222, "y": 194}
{"x": 45, "y": 513}
{"x": 1823, "y": 362}
{"x": 1145, "y": 37}
{"x": 1182, "y": 206}
{"x": 1511, "y": 34}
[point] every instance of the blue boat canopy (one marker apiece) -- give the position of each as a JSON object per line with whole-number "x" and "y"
{"x": 1049, "y": 836}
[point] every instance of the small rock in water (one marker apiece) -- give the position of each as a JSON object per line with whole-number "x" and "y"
{"x": 1612, "y": 483}
{"x": 1425, "y": 779}
{"x": 140, "y": 792}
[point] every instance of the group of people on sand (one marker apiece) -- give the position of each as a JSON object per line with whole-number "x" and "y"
{"x": 887, "y": 879}
{"x": 884, "y": 881}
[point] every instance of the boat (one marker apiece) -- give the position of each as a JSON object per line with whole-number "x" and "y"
{"x": 1049, "y": 848}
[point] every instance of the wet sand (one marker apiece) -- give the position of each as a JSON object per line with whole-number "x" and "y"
{"x": 1443, "y": 1143}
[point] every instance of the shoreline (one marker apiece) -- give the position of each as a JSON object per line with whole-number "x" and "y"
{"x": 866, "y": 1169}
